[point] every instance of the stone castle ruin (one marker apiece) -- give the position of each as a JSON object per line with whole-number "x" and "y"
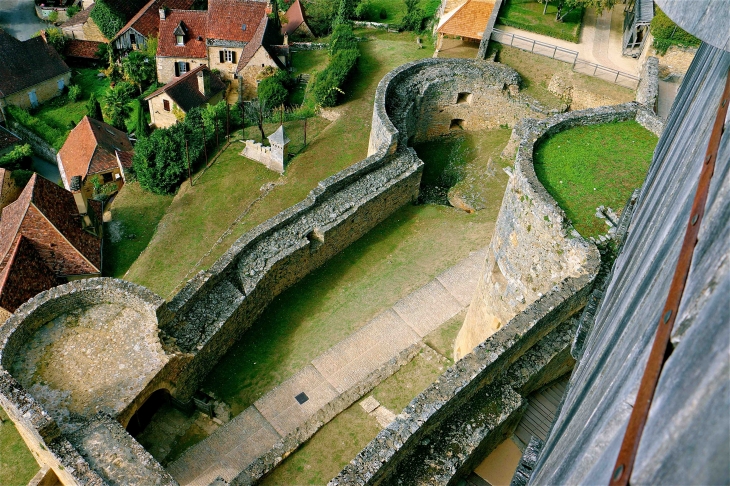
{"x": 274, "y": 157}
{"x": 545, "y": 271}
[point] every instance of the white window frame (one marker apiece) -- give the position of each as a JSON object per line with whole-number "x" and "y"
{"x": 182, "y": 67}
{"x": 180, "y": 40}
{"x": 227, "y": 55}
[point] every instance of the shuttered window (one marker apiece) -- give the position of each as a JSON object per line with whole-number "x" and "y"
{"x": 166, "y": 105}
{"x": 227, "y": 56}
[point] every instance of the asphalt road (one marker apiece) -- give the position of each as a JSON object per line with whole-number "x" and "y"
{"x": 18, "y": 18}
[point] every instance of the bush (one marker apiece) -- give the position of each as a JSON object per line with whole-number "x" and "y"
{"x": 74, "y": 92}
{"x": 109, "y": 20}
{"x": 53, "y": 16}
{"x": 383, "y": 14}
{"x": 327, "y": 84}
{"x": 342, "y": 38}
{"x": 272, "y": 93}
{"x": 18, "y": 158}
{"x": 666, "y": 34}
{"x": 21, "y": 177}
{"x": 72, "y": 10}
{"x": 93, "y": 108}
{"x": 364, "y": 10}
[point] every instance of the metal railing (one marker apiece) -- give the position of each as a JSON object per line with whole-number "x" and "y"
{"x": 566, "y": 55}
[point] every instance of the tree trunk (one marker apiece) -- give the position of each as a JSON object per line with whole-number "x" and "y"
{"x": 544, "y": 10}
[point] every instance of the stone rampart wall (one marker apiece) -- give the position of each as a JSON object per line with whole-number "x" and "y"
{"x": 534, "y": 246}
{"x": 647, "y": 92}
{"x": 40, "y": 146}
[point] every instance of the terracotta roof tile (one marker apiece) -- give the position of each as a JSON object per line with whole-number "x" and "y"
{"x": 254, "y": 44}
{"x": 226, "y": 19}
{"x": 147, "y": 20}
{"x": 469, "y": 20}
{"x": 185, "y": 92}
{"x": 24, "y": 275}
{"x": 24, "y": 64}
{"x": 195, "y": 23}
{"x": 126, "y": 8}
{"x": 91, "y": 148}
{"x": 83, "y": 49}
{"x": 295, "y": 17}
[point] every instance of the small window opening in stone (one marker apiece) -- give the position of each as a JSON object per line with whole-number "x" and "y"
{"x": 456, "y": 123}
{"x": 301, "y": 398}
{"x": 463, "y": 98}
{"x": 316, "y": 239}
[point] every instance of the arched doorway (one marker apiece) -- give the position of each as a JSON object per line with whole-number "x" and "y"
{"x": 142, "y": 417}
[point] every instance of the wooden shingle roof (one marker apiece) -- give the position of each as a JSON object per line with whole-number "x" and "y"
{"x": 468, "y": 20}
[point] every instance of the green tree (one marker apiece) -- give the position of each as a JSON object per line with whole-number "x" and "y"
{"x": 567, "y": 6}
{"x": 272, "y": 93}
{"x": 345, "y": 12}
{"x": 116, "y": 109}
{"x": 55, "y": 39}
{"x": 320, "y": 14}
{"x": 141, "y": 126}
{"x": 72, "y": 10}
{"x": 139, "y": 68}
{"x": 93, "y": 108}
{"x": 414, "y": 17}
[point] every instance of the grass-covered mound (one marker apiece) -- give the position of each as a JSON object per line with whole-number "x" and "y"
{"x": 597, "y": 165}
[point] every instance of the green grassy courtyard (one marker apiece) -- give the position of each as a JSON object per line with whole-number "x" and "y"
{"x": 528, "y": 15}
{"x": 17, "y": 464}
{"x": 597, "y": 165}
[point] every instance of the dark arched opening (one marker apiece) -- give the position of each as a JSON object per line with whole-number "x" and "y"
{"x": 142, "y": 417}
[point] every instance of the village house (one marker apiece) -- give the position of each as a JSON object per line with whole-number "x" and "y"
{"x": 145, "y": 24}
{"x": 467, "y": 21}
{"x": 94, "y": 148}
{"x": 230, "y": 37}
{"x": 82, "y": 53}
{"x": 48, "y": 235}
{"x": 31, "y": 72}
{"x": 195, "y": 88}
{"x": 296, "y": 27}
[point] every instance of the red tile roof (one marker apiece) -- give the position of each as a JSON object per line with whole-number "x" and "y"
{"x": 254, "y": 44}
{"x": 469, "y": 20}
{"x": 23, "y": 275}
{"x": 126, "y": 8}
{"x": 24, "y": 64}
{"x": 91, "y": 148}
{"x": 83, "y": 49}
{"x": 295, "y": 17}
{"x": 47, "y": 216}
{"x": 226, "y": 19}
{"x": 195, "y": 24}
{"x": 147, "y": 20}
{"x": 185, "y": 91}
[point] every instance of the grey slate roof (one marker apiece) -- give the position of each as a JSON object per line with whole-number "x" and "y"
{"x": 687, "y": 436}
{"x": 644, "y": 10}
{"x": 708, "y": 20}
{"x": 25, "y": 64}
{"x": 279, "y": 137}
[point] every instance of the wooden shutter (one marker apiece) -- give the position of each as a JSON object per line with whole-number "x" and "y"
{"x": 177, "y": 69}
{"x": 221, "y": 55}
{"x": 166, "y": 105}
{"x": 187, "y": 67}
{"x": 233, "y": 57}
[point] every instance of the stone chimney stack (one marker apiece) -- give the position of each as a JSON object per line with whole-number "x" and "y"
{"x": 204, "y": 82}
{"x": 163, "y": 14}
{"x": 81, "y": 203}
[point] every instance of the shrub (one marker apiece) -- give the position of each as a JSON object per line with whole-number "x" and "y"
{"x": 74, "y": 92}
{"x": 93, "y": 108}
{"x": 72, "y": 10}
{"x": 53, "y": 16}
{"x": 383, "y": 14}
{"x": 364, "y": 10}
{"x": 21, "y": 176}
{"x": 18, "y": 158}
{"x": 272, "y": 93}
{"x": 342, "y": 38}
{"x": 327, "y": 84}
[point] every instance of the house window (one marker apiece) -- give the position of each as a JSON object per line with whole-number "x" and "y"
{"x": 33, "y": 99}
{"x": 132, "y": 39}
{"x": 108, "y": 177}
{"x": 61, "y": 84}
{"x": 227, "y": 56}
{"x": 166, "y": 105}
{"x": 180, "y": 40}
{"x": 181, "y": 67}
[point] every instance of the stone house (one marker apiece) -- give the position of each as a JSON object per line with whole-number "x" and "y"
{"x": 9, "y": 190}
{"x": 229, "y": 37}
{"x": 296, "y": 27}
{"x": 47, "y": 236}
{"x": 196, "y": 88}
{"x": 31, "y": 72}
{"x": 145, "y": 24}
{"x": 82, "y": 27}
{"x": 94, "y": 148}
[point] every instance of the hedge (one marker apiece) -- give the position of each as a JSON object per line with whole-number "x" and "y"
{"x": 666, "y": 34}
{"x": 109, "y": 20}
{"x": 52, "y": 136}
{"x": 344, "y": 54}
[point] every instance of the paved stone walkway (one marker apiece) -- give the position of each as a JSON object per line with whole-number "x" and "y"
{"x": 600, "y": 40}
{"x": 332, "y": 376}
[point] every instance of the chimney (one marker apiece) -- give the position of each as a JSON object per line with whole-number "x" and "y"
{"x": 81, "y": 202}
{"x": 204, "y": 82}
{"x": 162, "y": 14}
{"x": 286, "y": 39}
{"x": 43, "y": 36}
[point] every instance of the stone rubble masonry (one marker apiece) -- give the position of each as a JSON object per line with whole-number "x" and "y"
{"x": 647, "y": 93}
{"x": 534, "y": 246}
{"x": 217, "y": 306}
{"x": 40, "y": 146}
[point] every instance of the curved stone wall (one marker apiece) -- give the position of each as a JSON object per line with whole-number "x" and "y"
{"x": 534, "y": 246}
{"x": 185, "y": 337}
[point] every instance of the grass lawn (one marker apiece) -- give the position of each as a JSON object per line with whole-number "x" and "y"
{"x": 229, "y": 187}
{"x": 396, "y": 10}
{"x": 586, "y": 167}
{"x": 537, "y": 71}
{"x": 17, "y": 464}
{"x": 335, "y": 444}
{"x": 527, "y": 15}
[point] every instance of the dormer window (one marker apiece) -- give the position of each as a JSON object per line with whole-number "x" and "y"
{"x": 180, "y": 32}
